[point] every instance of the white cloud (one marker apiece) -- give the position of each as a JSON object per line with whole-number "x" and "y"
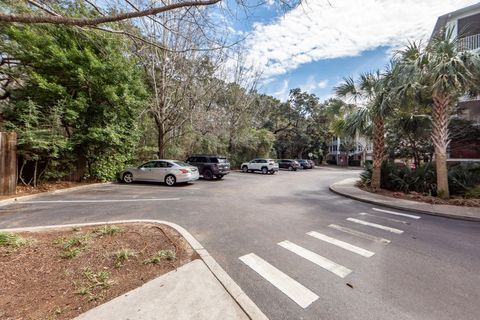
{"x": 309, "y": 85}
{"x": 322, "y": 84}
{"x": 317, "y": 30}
{"x": 282, "y": 94}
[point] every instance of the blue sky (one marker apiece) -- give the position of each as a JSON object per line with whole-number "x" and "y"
{"x": 317, "y": 44}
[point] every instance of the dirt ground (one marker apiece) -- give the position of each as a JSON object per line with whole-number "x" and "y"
{"x": 23, "y": 190}
{"x": 414, "y": 196}
{"x": 63, "y": 273}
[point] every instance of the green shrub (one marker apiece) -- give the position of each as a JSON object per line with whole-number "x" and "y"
{"x": 366, "y": 175}
{"x": 473, "y": 192}
{"x": 462, "y": 178}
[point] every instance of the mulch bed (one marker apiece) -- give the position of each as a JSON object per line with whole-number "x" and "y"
{"x": 62, "y": 273}
{"x": 23, "y": 190}
{"x": 414, "y": 196}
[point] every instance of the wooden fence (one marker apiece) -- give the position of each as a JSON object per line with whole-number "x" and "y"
{"x": 8, "y": 163}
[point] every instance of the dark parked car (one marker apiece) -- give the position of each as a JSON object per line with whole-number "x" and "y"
{"x": 304, "y": 164}
{"x": 210, "y": 166}
{"x": 289, "y": 164}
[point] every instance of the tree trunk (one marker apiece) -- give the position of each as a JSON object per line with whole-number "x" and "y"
{"x": 440, "y": 117}
{"x": 161, "y": 136}
{"x": 378, "y": 151}
{"x": 35, "y": 174}
{"x": 80, "y": 168}
{"x": 161, "y": 143}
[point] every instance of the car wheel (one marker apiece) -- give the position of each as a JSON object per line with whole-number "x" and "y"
{"x": 208, "y": 175}
{"x": 244, "y": 169}
{"x": 290, "y": 168}
{"x": 264, "y": 170}
{"x": 220, "y": 176}
{"x": 170, "y": 180}
{"x": 127, "y": 177}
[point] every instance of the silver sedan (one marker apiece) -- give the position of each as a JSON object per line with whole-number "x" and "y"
{"x": 168, "y": 171}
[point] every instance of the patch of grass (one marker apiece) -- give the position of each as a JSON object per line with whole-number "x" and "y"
{"x": 59, "y": 310}
{"x": 108, "y": 230}
{"x": 85, "y": 291}
{"x": 74, "y": 241}
{"x": 12, "y": 240}
{"x": 73, "y": 245}
{"x": 92, "y": 281}
{"x": 70, "y": 253}
{"x": 161, "y": 255}
{"x": 98, "y": 279}
{"x": 123, "y": 255}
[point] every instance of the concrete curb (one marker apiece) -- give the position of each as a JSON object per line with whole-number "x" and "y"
{"x": 32, "y": 196}
{"x": 233, "y": 289}
{"x": 347, "y": 189}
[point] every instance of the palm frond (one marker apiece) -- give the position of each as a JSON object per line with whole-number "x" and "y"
{"x": 347, "y": 89}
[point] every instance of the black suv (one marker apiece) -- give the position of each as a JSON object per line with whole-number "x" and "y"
{"x": 289, "y": 164}
{"x": 210, "y": 166}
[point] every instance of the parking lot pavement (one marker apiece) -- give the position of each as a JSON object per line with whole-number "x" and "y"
{"x": 298, "y": 250}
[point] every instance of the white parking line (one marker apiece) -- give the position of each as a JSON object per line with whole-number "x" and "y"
{"x": 358, "y": 233}
{"x": 341, "y": 244}
{"x": 397, "y": 213}
{"x": 329, "y": 265}
{"x": 374, "y": 225}
{"x": 381, "y": 217}
{"x": 101, "y": 201}
{"x": 294, "y": 290}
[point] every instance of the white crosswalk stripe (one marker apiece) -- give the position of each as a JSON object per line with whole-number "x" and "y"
{"x": 384, "y": 218}
{"x": 329, "y": 265}
{"x": 375, "y": 225}
{"x": 358, "y": 233}
{"x": 294, "y": 290}
{"x": 341, "y": 244}
{"x": 396, "y": 213}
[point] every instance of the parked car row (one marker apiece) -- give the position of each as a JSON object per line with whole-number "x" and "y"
{"x": 173, "y": 171}
{"x": 294, "y": 165}
{"x": 208, "y": 166}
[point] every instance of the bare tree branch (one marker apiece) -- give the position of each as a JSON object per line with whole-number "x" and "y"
{"x": 82, "y": 22}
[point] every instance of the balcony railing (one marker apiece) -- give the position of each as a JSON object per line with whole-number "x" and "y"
{"x": 469, "y": 43}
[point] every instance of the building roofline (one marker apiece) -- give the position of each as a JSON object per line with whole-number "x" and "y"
{"x": 442, "y": 20}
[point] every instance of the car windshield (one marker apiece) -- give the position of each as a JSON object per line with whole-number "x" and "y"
{"x": 181, "y": 164}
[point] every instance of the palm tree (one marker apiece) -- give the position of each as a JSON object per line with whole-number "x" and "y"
{"x": 440, "y": 74}
{"x": 371, "y": 94}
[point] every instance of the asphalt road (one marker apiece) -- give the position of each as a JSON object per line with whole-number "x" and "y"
{"x": 429, "y": 271}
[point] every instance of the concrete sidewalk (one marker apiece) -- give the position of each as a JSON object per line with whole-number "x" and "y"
{"x": 190, "y": 292}
{"x": 348, "y": 189}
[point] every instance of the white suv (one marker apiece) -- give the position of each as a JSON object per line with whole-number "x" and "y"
{"x": 263, "y": 165}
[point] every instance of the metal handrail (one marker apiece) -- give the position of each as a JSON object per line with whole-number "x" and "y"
{"x": 469, "y": 43}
